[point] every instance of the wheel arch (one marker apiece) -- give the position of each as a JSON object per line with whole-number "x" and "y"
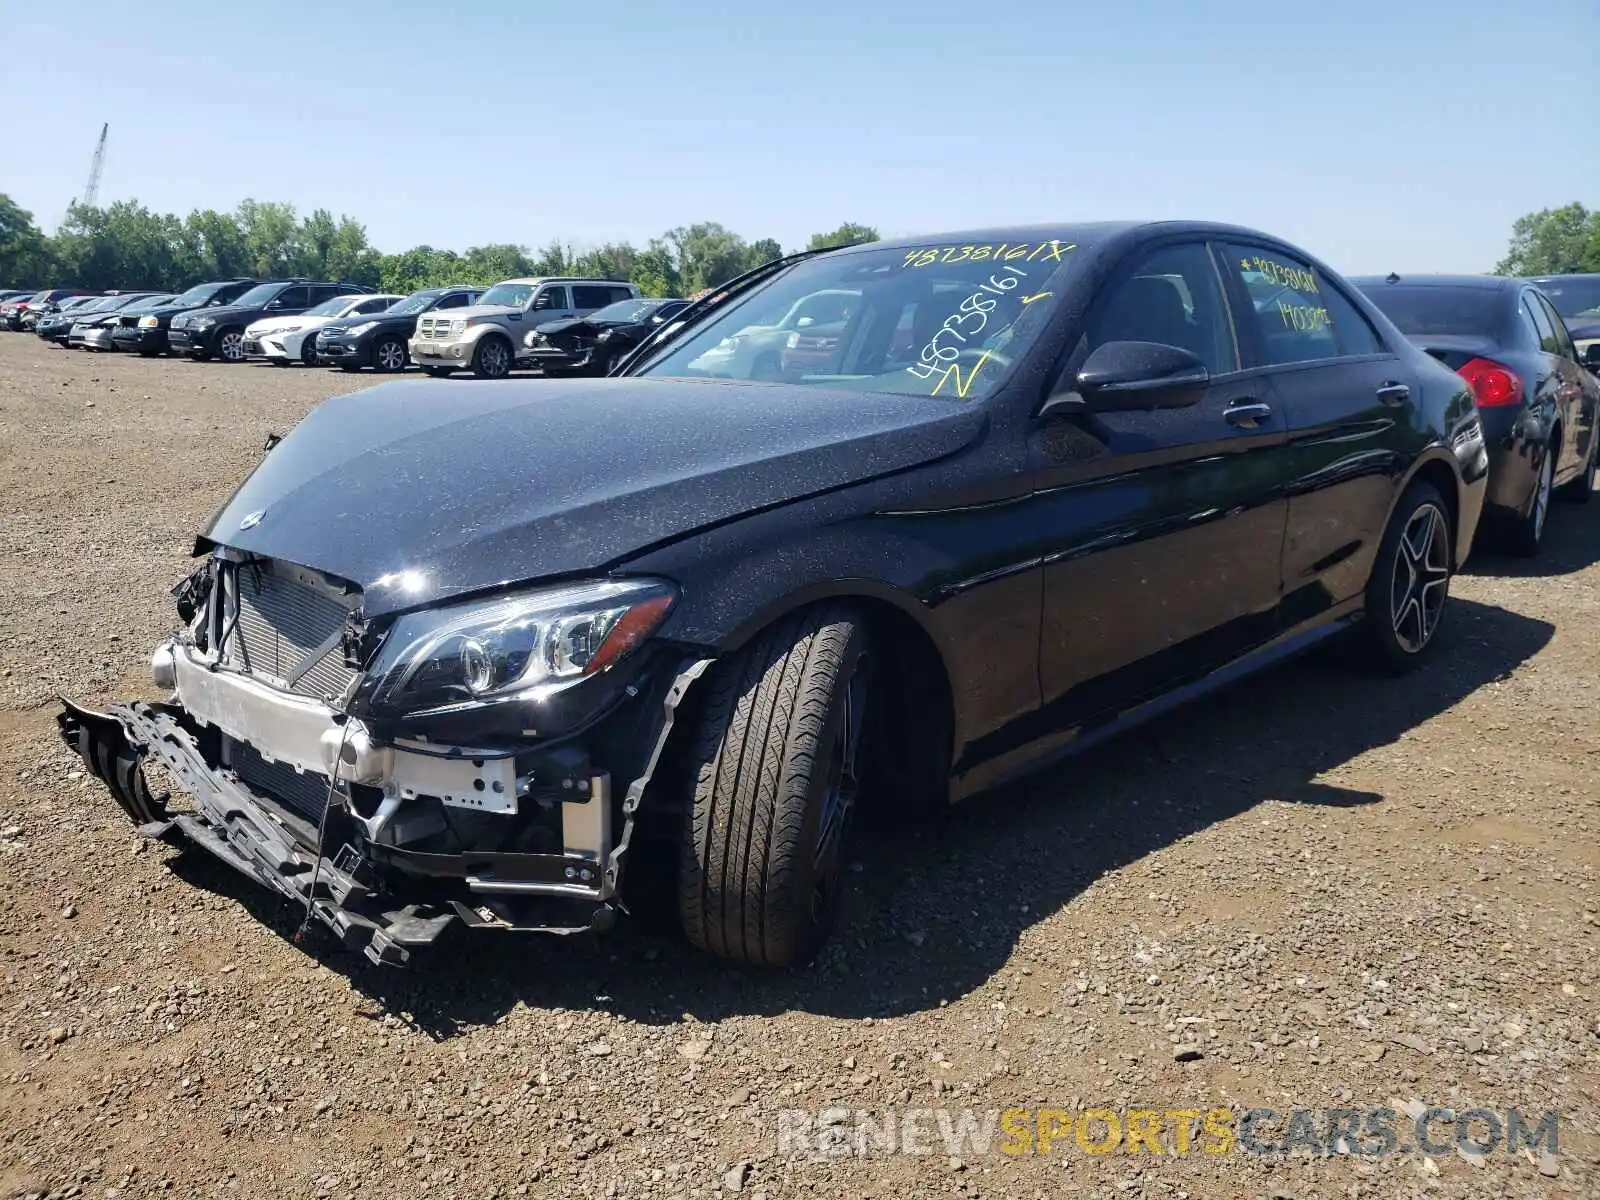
{"x": 918, "y": 703}
{"x": 1438, "y": 467}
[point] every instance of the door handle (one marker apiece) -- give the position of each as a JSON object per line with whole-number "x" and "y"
{"x": 1248, "y": 414}
{"x": 1393, "y": 393}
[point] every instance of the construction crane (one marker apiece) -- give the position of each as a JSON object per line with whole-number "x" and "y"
{"x": 91, "y": 190}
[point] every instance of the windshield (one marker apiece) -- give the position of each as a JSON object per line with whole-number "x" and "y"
{"x": 1451, "y": 311}
{"x": 415, "y": 303}
{"x": 511, "y": 295}
{"x": 622, "y": 312}
{"x": 150, "y": 302}
{"x": 1573, "y": 297}
{"x": 257, "y": 296}
{"x": 198, "y": 295}
{"x": 936, "y": 320}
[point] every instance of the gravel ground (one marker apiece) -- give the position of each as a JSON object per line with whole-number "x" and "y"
{"x": 1315, "y": 891}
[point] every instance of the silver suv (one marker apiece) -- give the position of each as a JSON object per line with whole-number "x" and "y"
{"x": 488, "y": 336}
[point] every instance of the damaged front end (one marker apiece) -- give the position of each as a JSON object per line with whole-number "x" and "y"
{"x": 478, "y": 764}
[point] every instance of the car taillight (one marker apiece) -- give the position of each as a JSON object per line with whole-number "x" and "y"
{"x": 1494, "y": 384}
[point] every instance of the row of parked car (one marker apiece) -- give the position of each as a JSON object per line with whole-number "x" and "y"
{"x": 559, "y": 325}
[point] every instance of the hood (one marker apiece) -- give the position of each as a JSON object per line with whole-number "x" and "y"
{"x": 341, "y": 325}
{"x": 561, "y": 325}
{"x": 225, "y": 312}
{"x": 274, "y": 324}
{"x": 421, "y": 490}
{"x": 482, "y": 310}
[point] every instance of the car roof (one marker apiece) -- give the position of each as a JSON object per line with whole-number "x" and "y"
{"x": 1569, "y": 275}
{"x": 566, "y": 279}
{"x": 1486, "y": 282}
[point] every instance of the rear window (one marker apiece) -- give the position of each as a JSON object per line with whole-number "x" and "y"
{"x": 1442, "y": 310}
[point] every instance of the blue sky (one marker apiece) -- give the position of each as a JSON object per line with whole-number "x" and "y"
{"x": 1406, "y": 134}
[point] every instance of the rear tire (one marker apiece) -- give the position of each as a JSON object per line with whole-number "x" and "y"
{"x": 774, "y": 783}
{"x": 1409, "y": 588}
{"x": 492, "y": 358}
{"x": 1581, "y": 489}
{"x": 1525, "y": 535}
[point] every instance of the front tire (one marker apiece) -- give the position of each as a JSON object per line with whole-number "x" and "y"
{"x": 230, "y": 345}
{"x": 308, "y": 350}
{"x": 775, "y": 775}
{"x": 1410, "y": 582}
{"x": 492, "y": 358}
{"x": 389, "y": 356}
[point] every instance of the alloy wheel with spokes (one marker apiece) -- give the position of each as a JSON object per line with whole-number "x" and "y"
{"x": 1525, "y": 535}
{"x": 1421, "y": 579}
{"x": 493, "y": 359}
{"x": 389, "y": 355}
{"x": 230, "y": 346}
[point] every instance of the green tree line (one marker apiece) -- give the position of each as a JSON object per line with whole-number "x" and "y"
{"x": 126, "y": 245}
{"x": 1554, "y": 241}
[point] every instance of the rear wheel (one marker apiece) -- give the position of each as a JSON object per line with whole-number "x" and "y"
{"x": 492, "y": 358}
{"x": 1581, "y": 489}
{"x": 389, "y": 355}
{"x": 1525, "y": 535}
{"x": 775, "y": 771}
{"x": 1410, "y": 581}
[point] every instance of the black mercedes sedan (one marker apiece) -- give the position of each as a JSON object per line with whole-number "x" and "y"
{"x": 379, "y": 340}
{"x": 592, "y": 345}
{"x": 464, "y": 657}
{"x": 1537, "y": 402}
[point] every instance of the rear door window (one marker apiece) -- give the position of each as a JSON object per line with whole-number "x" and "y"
{"x": 1541, "y": 322}
{"x": 1288, "y": 309}
{"x": 1558, "y": 328}
{"x": 588, "y": 296}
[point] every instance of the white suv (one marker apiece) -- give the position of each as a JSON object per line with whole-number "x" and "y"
{"x": 488, "y": 336}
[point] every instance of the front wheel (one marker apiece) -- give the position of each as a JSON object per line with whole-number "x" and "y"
{"x": 308, "y": 350}
{"x": 389, "y": 355}
{"x": 1410, "y": 582}
{"x": 230, "y": 346}
{"x": 492, "y": 359}
{"x": 775, "y": 768}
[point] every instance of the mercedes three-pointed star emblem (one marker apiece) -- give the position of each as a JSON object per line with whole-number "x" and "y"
{"x": 251, "y": 520}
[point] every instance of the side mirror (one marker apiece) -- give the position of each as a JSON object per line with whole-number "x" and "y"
{"x": 1591, "y": 356}
{"x": 1133, "y": 377}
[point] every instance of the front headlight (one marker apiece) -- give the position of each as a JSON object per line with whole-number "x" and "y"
{"x": 149, "y": 322}
{"x": 291, "y": 329}
{"x": 365, "y": 326}
{"x": 498, "y": 649}
{"x": 532, "y": 338}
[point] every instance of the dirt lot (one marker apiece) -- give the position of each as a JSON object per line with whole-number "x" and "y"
{"x": 1316, "y": 891}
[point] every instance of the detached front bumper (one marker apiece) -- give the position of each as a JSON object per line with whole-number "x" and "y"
{"x": 353, "y": 871}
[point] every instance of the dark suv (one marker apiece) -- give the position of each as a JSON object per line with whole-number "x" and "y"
{"x": 379, "y": 341}
{"x": 146, "y": 332}
{"x": 219, "y": 332}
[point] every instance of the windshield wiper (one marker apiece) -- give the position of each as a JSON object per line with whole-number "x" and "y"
{"x": 698, "y": 310}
